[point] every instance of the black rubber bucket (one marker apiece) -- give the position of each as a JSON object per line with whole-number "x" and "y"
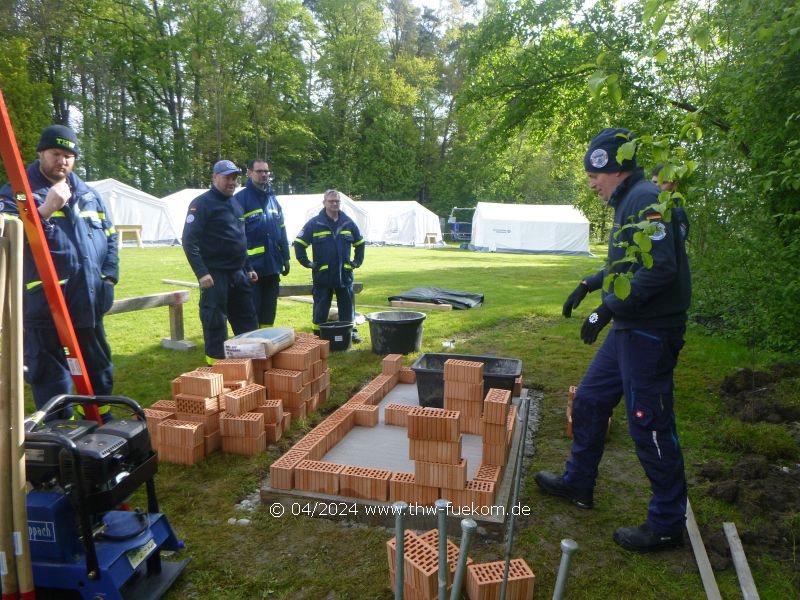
{"x": 338, "y": 333}
{"x": 395, "y": 332}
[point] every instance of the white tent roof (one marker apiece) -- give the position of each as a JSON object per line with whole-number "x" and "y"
{"x": 129, "y": 206}
{"x": 534, "y": 228}
{"x": 400, "y": 222}
{"x": 297, "y": 209}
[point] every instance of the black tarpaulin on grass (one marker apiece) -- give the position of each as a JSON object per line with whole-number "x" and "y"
{"x": 434, "y": 295}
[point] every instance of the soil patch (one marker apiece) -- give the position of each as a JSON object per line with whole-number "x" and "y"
{"x": 766, "y": 493}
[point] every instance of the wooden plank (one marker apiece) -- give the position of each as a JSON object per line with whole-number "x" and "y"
{"x": 749, "y": 591}
{"x": 285, "y": 290}
{"x": 422, "y": 305}
{"x": 700, "y": 555}
{"x": 151, "y": 301}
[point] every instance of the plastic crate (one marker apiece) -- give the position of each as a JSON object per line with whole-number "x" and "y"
{"x": 498, "y": 373}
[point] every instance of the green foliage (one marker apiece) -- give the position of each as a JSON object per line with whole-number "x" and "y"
{"x": 772, "y": 441}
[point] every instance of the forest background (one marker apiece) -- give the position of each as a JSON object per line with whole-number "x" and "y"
{"x": 449, "y": 106}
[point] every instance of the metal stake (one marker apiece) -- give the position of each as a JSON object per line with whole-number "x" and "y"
{"x": 468, "y": 527}
{"x": 399, "y": 538}
{"x": 568, "y": 548}
{"x": 441, "y": 513}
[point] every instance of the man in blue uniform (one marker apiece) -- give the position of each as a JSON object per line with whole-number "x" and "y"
{"x": 639, "y": 354}
{"x": 216, "y": 248}
{"x": 267, "y": 244}
{"x": 332, "y": 235}
{"x": 83, "y": 246}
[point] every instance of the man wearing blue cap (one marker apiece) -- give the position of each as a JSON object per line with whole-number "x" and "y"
{"x": 637, "y": 358}
{"x": 83, "y": 246}
{"x": 216, "y": 247}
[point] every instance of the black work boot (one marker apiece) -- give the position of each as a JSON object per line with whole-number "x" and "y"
{"x": 556, "y": 486}
{"x": 644, "y": 539}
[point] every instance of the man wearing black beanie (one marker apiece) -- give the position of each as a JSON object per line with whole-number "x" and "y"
{"x": 83, "y": 246}
{"x": 637, "y": 358}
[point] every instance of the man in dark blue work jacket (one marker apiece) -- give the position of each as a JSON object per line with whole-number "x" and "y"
{"x": 216, "y": 248}
{"x": 637, "y": 358}
{"x": 83, "y": 246}
{"x": 331, "y": 235}
{"x": 267, "y": 244}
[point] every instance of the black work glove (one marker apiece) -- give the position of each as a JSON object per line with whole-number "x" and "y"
{"x": 575, "y": 299}
{"x": 285, "y": 269}
{"x": 310, "y": 265}
{"x": 594, "y": 323}
{"x": 355, "y": 265}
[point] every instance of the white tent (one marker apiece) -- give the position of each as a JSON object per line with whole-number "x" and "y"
{"x": 533, "y": 228}
{"x": 401, "y": 222}
{"x": 129, "y": 206}
{"x": 297, "y": 209}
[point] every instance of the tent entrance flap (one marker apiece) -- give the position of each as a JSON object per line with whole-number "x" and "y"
{"x": 434, "y": 295}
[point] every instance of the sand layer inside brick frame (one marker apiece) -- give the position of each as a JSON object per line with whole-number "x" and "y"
{"x": 386, "y": 447}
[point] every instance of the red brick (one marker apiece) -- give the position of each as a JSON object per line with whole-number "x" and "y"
{"x": 488, "y": 472}
{"x": 196, "y": 405}
{"x": 281, "y": 472}
{"x": 234, "y": 369}
{"x": 396, "y": 414}
{"x": 407, "y": 375}
{"x": 463, "y": 370}
{"x": 433, "y": 424}
{"x": 182, "y": 455}
{"x": 435, "y": 451}
{"x": 249, "y": 424}
{"x": 496, "y": 405}
{"x": 441, "y": 475}
{"x": 403, "y": 486}
{"x": 209, "y": 421}
{"x": 283, "y": 380}
{"x": 185, "y": 434}
{"x": 362, "y": 482}
{"x": 392, "y": 363}
{"x": 316, "y": 476}
{"x": 485, "y": 580}
{"x": 248, "y": 446}
{"x": 201, "y": 383}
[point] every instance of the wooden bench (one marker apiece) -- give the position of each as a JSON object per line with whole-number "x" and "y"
{"x": 135, "y": 230}
{"x": 175, "y": 301}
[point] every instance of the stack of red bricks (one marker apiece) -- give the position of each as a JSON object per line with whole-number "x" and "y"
{"x": 498, "y": 426}
{"x": 463, "y": 391}
{"x": 299, "y": 375}
{"x": 434, "y": 444}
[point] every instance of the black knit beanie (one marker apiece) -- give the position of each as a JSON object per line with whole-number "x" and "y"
{"x": 601, "y": 157}
{"x": 58, "y": 136}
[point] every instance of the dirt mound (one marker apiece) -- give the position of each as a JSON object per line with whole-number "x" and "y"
{"x": 766, "y": 494}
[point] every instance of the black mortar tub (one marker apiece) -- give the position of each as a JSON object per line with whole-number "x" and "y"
{"x": 498, "y": 373}
{"x": 395, "y": 332}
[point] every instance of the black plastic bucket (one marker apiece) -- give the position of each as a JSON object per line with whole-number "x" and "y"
{"x": 338, "y": 333}
{"x": 395, "y": 332}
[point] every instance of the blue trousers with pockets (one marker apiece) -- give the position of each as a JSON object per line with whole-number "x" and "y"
{"x": 230, "y": 299}
{"x": 322, "y": 304}
{"x": 47, "y": 370}
{"x": 637, "y": 364}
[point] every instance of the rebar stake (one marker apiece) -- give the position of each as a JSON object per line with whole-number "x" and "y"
{"x": 568, "y": 548}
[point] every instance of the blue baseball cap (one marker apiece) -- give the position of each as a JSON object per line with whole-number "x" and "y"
{"x": 226, "y": 167}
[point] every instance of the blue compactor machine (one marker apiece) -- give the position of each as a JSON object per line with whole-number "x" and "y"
{"x": 81, "y": 472}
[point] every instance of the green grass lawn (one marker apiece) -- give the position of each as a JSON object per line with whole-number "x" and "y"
{"x": 298, "y": 557}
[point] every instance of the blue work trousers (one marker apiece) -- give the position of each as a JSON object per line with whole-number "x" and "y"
{"x": 46, "y": 366}
{"x": 265, "y": 298}
{"x": 637, "y": 364}
{"x": 322, "y": 304}
{"x": 230, "y": 299}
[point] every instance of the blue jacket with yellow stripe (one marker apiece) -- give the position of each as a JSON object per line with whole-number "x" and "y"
{"x": 267, "y": 244}
{"x": 331, "y": 243}
{"x": 83, "y": 245}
